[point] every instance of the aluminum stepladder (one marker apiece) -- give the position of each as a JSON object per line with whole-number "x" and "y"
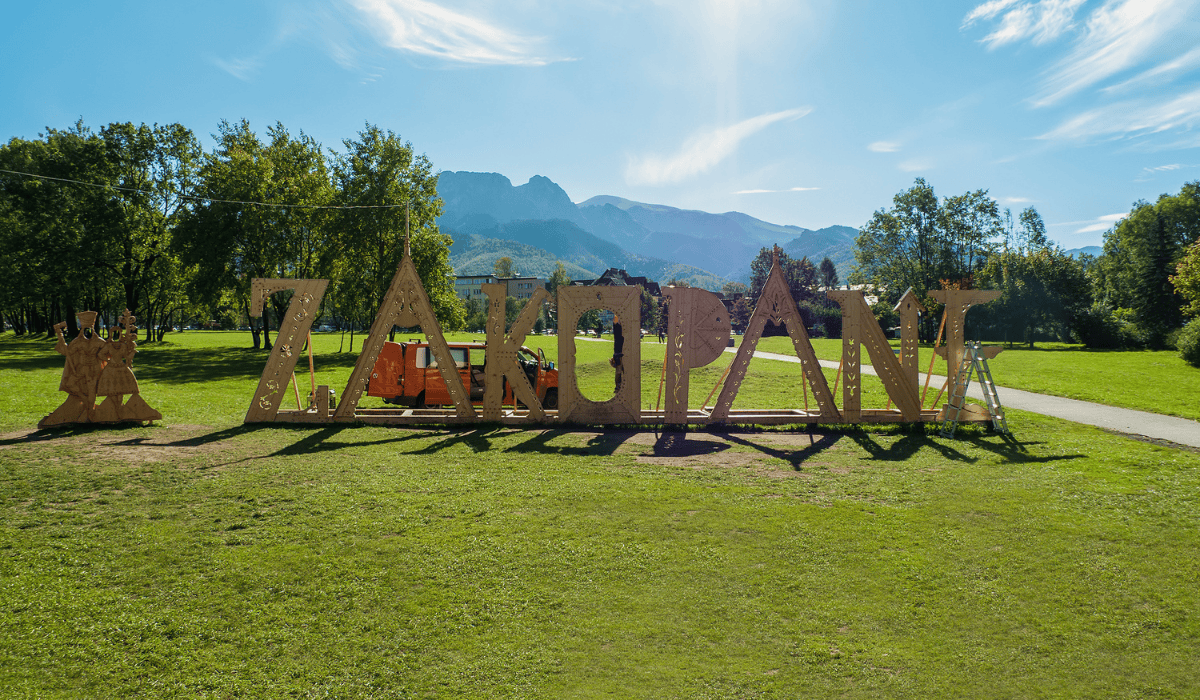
{"x": 973, "y": 362}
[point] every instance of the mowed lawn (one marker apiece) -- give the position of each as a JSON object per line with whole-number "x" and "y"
{"x": 202, "y": 558}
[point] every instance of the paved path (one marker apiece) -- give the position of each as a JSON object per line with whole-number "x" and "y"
{"x": 1124, "y": 420}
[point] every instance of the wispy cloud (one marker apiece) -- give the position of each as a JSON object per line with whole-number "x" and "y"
{"x": 428, "y": 29}
{"x": 884, "y": 147}
{"x": 1100, "y": 223}
{"x": 1163, "y": 72}
{"x": 790, "y": 189}
{"x": 1160, "y": 168}
{"x": 1040, "y": 21}
{"x": 1016, "y": 200}
{"x": 1131, "y": 118}
{"x": 1119, "y": 35}
{"x": 702, "y": 151}
{"x": 915, "y": 165}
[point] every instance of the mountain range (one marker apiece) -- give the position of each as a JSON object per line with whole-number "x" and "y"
{"x": 537, "y": 224}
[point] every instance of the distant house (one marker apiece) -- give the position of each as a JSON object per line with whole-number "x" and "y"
{"x": 615, "y": 277}
{"x": 471, "y": 286}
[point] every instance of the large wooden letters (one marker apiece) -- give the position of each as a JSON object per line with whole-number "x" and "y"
{"x": 405, "y": 305}
{"x": 776, "y": 304}
{"x": 502, "y": 353}
{"x": 859, "y": 327}
{"x": 698, "y": 333}
{"x": 625, "y": 405}
{"x": 293, "y": 330}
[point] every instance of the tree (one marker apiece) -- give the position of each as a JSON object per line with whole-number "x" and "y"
{"x": 503, "y": 268}
{"x": 154, "y": 171}
{"x": 1140, "y": 254}
{"x": 1187, "y": 280}
{"x": 558, "y": 278}
{"x": 387, "y": 185}
{"x": 734, "y": 289}
{"x": 231, "y": 241}
{"x": 827, "y": 274}
{"x": 924, "y": 244}
{"x": 1041, "y": 289}
{"x": 800, "y": 275}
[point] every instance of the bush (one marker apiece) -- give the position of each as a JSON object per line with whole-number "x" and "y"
{"x": 1189, "y": 343}
{"x": 1102, "y": 327}
{"x": 824, "y": 321}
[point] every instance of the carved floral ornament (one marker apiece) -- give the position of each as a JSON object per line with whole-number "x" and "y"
{"x": 698, "y": 332}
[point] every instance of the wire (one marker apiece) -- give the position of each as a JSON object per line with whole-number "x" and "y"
{"x": 208, "y": 199}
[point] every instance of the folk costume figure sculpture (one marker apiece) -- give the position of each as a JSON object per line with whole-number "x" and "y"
{"x": 98, "y": 367}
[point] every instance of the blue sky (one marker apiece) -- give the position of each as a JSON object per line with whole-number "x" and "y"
{"x": 805, "y": 112}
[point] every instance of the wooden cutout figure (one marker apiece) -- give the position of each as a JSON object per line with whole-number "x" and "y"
{"x": 293, "y": 330}
{"x": 625, "y": 405}
{"x": 697, "y": 334}
{"x": 777, "y": 305}
{"x": 502, "y": 352}
{"x": 85, "y": 355}
{"x": 910, "y": 309}
{"x": 859, "y": 327}
{"x": 958, "y": 302}
{"x": 406, "y": 305}
{"x": 117, "y": 378}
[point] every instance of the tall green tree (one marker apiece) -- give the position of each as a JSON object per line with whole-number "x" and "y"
{"x": 503, "y": 268}
{"x": 827, "y": 274}
{"x": 264, "y": 218}
{"x": 154, "y": 171}
{"x": 924, "y": 243}
{"x": 1140, "y": 255}
{"x": 384, "y": 182}
{"x": 1187, "y": 280}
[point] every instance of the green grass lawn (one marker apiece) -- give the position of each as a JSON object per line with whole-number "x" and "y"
{"x": 1146, "y": 380}
{"x": 203, "y": 558}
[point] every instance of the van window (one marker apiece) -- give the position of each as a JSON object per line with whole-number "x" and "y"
{"x": 422, "y": 357}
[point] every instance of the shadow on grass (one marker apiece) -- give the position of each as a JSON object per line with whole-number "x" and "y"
{"x": 793, "y": 457}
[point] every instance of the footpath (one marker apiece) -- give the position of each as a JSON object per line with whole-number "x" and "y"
{"x": 1122, "y": 420}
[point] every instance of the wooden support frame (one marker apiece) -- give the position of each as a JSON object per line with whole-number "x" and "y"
{"x": 958, "y": 302}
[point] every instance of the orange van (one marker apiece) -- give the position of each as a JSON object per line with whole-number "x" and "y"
{"x": 407, "y": 374}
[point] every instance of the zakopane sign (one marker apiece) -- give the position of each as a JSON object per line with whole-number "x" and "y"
{"x": 698, "y": 333}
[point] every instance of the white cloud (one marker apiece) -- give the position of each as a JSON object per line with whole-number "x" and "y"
{"x": 790, "y": 189}
{"x": 1100, "y": 223}
{"x": 1131, "y": 119}
{"x": 1042, "y": 21}
{"x": 884, "y": 147}
{"x": 427, "y": 29}
{"x": 702, "y": 151}
{"x": 1160, "y": 168}
{"x": 1017, "y": 200}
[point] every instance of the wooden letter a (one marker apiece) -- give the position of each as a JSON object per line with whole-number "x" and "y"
{"x": 406, "y": 304}
{"x": 776, "y": 304}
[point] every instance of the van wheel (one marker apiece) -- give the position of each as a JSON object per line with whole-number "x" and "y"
{"x": 551, "y": 401}
{"x": 420, "y": 402}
